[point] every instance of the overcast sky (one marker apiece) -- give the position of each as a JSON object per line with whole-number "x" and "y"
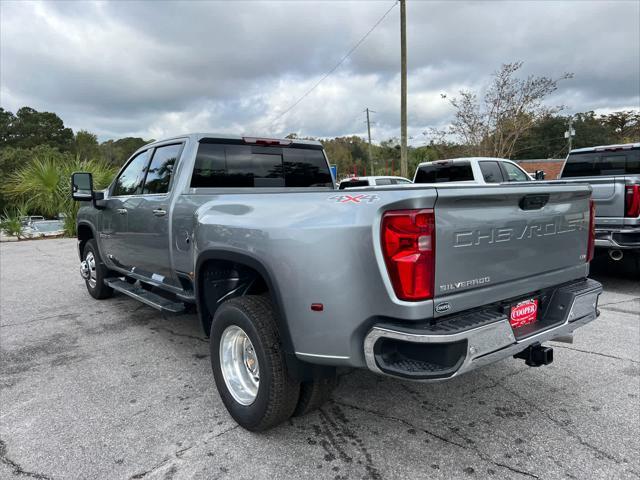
{"x": 155, "y": 69}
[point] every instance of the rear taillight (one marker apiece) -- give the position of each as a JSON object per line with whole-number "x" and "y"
{"x": 408, "y": 244}
{"x": 632, "y": 201}
{"x": 591, "y": 243}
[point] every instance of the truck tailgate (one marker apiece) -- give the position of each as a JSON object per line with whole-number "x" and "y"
{"x": 508, "y": 234}
{"x": 608, "y": 194}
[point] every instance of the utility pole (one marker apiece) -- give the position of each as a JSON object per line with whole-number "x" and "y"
{"x": 403, "y": 89}
{"x": 570, "y": 133}
{"x": 369, "y": 133}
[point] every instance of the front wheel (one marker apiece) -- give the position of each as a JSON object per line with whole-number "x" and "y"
{"x": 94, "y": 272}
{"x": 249, "y": 364}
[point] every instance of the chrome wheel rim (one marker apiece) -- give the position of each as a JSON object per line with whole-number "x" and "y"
{"x": 239, "y": 365}
{"x": 88, "y": 270}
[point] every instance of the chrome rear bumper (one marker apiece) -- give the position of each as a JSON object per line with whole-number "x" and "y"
{"x": 483, "y": 345}
{"x": 622, "y": 238}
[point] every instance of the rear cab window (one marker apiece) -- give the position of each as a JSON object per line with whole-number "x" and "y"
{"x": 353, "y": 183}
{"x": 438, "y": 172}
{"x": 236, "y": 165}
{"x": 606, "y": 162}
{"x": 384, "y": 181}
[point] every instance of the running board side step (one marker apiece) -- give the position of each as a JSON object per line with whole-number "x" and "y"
{"x": 148, "y": 298}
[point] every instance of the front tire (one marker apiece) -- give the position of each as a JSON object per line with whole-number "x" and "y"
{"x": 249, "y": 364}
{"x": 94, "y": 272}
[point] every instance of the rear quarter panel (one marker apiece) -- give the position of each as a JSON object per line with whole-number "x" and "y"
{"x": 318, "y": 247}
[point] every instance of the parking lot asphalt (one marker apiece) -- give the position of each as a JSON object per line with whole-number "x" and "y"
{"x": 114, "y": 389}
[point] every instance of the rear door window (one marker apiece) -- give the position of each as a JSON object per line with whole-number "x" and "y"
{"x": 444, "y": 172}
{"x": 228, "y": 166}
{"x": 161, "y": 169}
{"x": 491, "y": 172}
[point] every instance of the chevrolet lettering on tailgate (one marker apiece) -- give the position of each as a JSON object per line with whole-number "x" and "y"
{"x": 559, "y": 226}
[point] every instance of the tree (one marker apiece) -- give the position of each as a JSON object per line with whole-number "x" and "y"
{"x": 624, "y": 125}
{"x": 6, "y": 121}
{"x": 509, "y": 108}
{"x": 86, "y": 146}
{"x": 29, "y": 128}
{"x": 117, "y": 152}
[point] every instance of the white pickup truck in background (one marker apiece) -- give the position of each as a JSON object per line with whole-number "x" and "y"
{"x": 354, "y": 182}
{"x": 481, "y": 170}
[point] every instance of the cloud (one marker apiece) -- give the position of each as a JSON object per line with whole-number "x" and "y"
{"x": 154, "y": 70}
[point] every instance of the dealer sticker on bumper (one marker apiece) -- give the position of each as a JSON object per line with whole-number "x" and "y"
{"x": 524, "y": 313}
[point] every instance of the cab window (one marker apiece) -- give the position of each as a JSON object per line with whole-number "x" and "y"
{"x": 513, "y": 173}
{"x": 491, "y": 172}
{"x": 161, "y": 169}
{"x": 130, "y": 179}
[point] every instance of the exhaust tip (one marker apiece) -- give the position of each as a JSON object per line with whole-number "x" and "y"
{"x": 616, "y": 255}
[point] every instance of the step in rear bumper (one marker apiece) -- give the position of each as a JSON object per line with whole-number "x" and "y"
{"x": 443, "y": 355}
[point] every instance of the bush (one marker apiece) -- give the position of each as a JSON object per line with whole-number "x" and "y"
{"x": 11, "y": 223}
{"x": 44, "y": 185}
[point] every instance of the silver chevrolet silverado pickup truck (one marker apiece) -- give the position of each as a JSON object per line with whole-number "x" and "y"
{"x": 613, "y": 171}
{"x": 292, "y": 278}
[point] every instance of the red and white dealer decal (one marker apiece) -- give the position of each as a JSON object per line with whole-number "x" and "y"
{"x": 524, "y": 313}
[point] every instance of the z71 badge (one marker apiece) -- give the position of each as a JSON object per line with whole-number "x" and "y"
{"x": 355, "y": 198}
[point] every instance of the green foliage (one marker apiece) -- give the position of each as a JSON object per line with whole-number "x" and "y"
{"x": 44, "y": 185}
{"x": 118, "y": 151}
{"x": 29, "y": 128}
{"x": 11, "y": 224}
{"x": 85, "y": 145}
{"x": 546, "y": 139}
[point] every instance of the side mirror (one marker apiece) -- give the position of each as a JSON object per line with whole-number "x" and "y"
{"x": 539, "y": 174}
{"x": 82, "y": 186}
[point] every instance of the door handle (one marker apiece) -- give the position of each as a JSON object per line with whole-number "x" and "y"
{"x": 122, "y": 211}
{"x": 159, "y": 212}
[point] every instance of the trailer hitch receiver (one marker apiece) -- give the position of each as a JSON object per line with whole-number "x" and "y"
{"x": 536, "y": 355}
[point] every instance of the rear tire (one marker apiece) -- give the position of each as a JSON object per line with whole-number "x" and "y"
{"x": 97, "y": 272}
{"x": 314, "y": 394}
{"x": 245, "y": 344}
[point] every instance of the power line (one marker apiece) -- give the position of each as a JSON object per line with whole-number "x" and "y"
{"x": 353, "y": 49}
